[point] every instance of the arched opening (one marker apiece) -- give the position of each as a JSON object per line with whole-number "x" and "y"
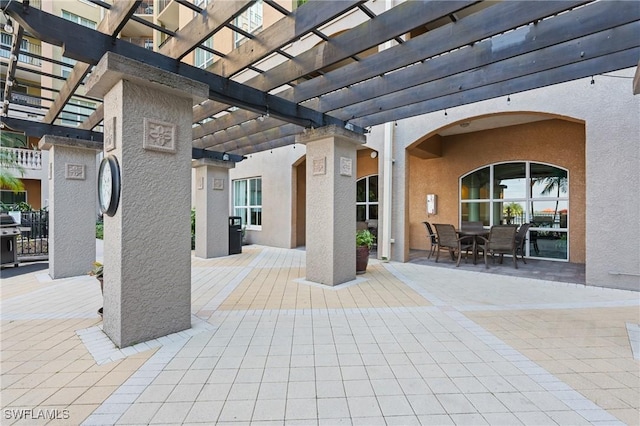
{"x": 479, "y": 169}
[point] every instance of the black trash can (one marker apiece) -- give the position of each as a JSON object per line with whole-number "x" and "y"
{"x": 235, "y": 235}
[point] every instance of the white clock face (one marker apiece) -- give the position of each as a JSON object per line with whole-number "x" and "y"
{"x": 105, "y": 187}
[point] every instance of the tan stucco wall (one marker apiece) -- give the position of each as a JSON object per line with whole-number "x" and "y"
{"x": 300, "y": 200}
{"x": 33, "y": 189}
{"x": 366, "y": 165}
{"x": 557, "y": 142}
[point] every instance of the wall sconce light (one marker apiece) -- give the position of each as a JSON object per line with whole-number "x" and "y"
{"x": 8, "y": 27}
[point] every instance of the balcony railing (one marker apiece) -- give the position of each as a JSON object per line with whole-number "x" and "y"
{"x": 26, "y": 158}
{"x": 21, "y": 98}
{"x": 28, "y": 47}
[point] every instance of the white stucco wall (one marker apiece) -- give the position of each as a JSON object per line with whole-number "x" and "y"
{"x": 612, "y": 120}
{"x": 275, "y": 169}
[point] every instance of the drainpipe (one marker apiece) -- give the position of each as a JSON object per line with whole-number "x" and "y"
{"x": 387, "y": 183}
{"x": 387, "y": 177}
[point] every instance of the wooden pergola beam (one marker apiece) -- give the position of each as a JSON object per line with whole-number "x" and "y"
{"x": 602, "y": 43}
{"x": 395, "y": 22}
{"x": 216, "y": 15}
{"x": 587, "y": 20}
{"x": 563, "y": 74}
{"x": 111, "y": 24}
{"x": 301, "y": 21}
{"x": 491, "y": 21}
{"x": 87, "y": 45}
{"x": 13, "y": 65}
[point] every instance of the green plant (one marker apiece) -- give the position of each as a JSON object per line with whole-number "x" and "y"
{"x": 7, "y": 179}
{"x": 97, "y": 270}
{"x": 100, "y": 230}
{"x": 193, "y": 229}
{"x": 364, "y": 238}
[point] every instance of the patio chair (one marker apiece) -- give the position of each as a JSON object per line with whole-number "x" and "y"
{"x": 433, "y": 239}
{"x": 448, "y": 239}
{"x": 502, "y": 240}
{"x": 521, "y": 238}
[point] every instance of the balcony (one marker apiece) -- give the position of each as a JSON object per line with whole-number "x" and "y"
{"x": 27, "y": 159}
{"x": 26, "y": 46}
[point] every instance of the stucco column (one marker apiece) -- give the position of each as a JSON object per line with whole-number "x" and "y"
{"x": 212, "y": 207}
{"x": 331, "y": 204}
{"x": 147, "y": 259}
{"x": 72, "y": 205}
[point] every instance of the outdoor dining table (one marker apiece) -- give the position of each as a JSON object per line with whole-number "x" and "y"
{"x": 475, "y": 233}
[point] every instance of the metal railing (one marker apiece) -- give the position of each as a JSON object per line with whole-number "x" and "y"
{"x": 29, "y": 159}
{"x": 33, "y": 241}
{"x": 27, "y": 47}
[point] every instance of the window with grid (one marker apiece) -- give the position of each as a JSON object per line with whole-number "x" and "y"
{"x": 247, "y": 201}
{"x": 367, "y": 199}
{"x": 249, "y": 21}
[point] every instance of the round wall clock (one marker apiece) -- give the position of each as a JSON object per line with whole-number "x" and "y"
{"x": 109, "y": 185}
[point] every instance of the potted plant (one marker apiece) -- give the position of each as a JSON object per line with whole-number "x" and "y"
{"x": 97, "y": 271}
{"x": 364, "y": 241}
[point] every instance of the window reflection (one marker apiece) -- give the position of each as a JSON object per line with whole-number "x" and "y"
{"x": 509, "y": 181}
{"x": 475, "y": 186}
{"x": 548, "y": 181}
{"x": 517, "y": 193}
{"x": 474, "y": 212}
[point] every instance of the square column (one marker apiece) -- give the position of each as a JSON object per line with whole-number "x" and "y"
{"x": 147, "y": 259}
{"x": 72, "y": 205}
{"x": 212, "y": 207}
{"x": 331, "y": 204}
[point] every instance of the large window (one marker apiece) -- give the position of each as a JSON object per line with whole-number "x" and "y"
{"x": 249, "y": 21}
{"x": 79, "y": 19}
{"x": 367, "y": 199}
{"x": 517, "y": 193}
{"x": 247, "y": 201}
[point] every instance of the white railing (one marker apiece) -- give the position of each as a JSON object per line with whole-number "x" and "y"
{"x": 26, "y": 158}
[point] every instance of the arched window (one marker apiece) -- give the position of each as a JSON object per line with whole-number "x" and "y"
{"x": 367, "y": 199}
{"x": 517, "y": 193}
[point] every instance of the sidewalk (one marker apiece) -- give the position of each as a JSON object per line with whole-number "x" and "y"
{"x": 406, "y": 344}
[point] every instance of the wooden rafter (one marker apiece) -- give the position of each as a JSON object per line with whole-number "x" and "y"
{"x": 489, "y": 22}
{"x": 112, "y": 23}
{"x": 84, "y": 44}
{"x": 388, "y": 25}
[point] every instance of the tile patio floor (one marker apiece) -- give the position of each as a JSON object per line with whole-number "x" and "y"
{"x": 407, "y": 344}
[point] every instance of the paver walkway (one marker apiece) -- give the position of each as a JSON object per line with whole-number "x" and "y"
{"x": 405, "y": 344}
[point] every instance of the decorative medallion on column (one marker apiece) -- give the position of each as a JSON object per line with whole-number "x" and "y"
{"x": 159, "y": 135}
{"x": 218, "y": 184}
{"x": 74, "y": 171}
{"x": 110, "y": 134}
{"x": 346, "y": 166}
{"x": 320, "y": 166}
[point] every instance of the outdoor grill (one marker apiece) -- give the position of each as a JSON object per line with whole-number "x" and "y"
{"x": 9, "y": 231}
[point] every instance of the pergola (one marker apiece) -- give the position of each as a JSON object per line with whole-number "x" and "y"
{"x": 437, "y": 55}
{"x": 413, "y": 58}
